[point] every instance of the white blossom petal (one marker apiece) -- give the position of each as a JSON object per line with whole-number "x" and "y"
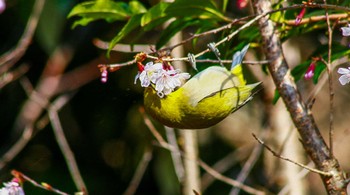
{"x": 136, "y": 77}
{"x": 345, "y": 30}
{"x": 344, "y": 80}
{"x": 11, "y": 188}
{"x": 164, "y": 81}
{"x": 145, "y": 81}
{"x": 343, "y": 71}
{"x": 167, "y": 90}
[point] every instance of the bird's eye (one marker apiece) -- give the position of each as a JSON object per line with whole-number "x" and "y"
{"x": 160, "y": 94}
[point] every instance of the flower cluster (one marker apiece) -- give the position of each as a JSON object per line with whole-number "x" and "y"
{"x": 163, "y": 79}
{"x": 11, "y": 188}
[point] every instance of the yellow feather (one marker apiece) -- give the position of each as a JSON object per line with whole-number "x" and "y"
{"x": 204, "y": 100}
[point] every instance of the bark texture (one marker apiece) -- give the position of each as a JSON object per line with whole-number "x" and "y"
{"x": 311, "y": 138}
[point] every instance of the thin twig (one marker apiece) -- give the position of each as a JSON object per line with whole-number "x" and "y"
{"x": 127, "y": 48}
{"x": 151, "y": 127}
{"x": 224, "y": 164}
{"x": 140, "y": 171}
{"x": 228, "y": 180}
{"x": 300, "y": 175}
{"x": 249, "y": 164}
{"x": 8, "y": 77}
{"x": 330, "y": 82}
{"x": 289, "y": 160}
{"x": 213, "y": 31}
{"x": 41, "y": 185}
{"x": 17, "y": 147}
{"x": 12, "y": 56}
{"x": 318, "y": 18}
{"x": 229, "y": 26}
{"x": 323, "y": 78}
{"x": 161, "y": 142}
{"x": 63, "y": 144}
{"x": 227, "y": 38}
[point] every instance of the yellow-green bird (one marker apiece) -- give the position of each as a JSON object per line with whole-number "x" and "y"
{"x": 201, "y": 102}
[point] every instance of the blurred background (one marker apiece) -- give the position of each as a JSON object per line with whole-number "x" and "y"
{"x": 103, "y": 124}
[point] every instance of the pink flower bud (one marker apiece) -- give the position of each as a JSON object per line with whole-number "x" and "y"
{"x": 310, "y": 71}
{"x": 300, "y": 16}
{"x": 104, "y": 74}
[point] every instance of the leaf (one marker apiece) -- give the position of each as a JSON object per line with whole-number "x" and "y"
{"x": 320, "y": 67}
{"x": 249, "y": 34}
{"x": 299, "y": 71}
{"x": 224, "y": 5}
{"x": 132, "y": 24}
{"x": 195, "y": 8}
{"x": 136, "y": 7}
{"x": 95, "y": 10}
{"x": 203, "y": 27}
{"x": 338, "y": 52}
{"x": 173, "y": 28}
{"x": 157, "y": 12}
{"x": 276, "y": 97}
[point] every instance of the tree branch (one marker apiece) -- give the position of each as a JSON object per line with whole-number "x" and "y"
{"x": 312, "y": 140}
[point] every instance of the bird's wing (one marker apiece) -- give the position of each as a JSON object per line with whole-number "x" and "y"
{"x": 208, "y": 82}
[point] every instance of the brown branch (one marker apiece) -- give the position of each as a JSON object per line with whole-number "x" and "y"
{"x": 80, "y": 76}
{"x": 141, "y": 168}
{"x": 8, "y": 77}
{"x": 249, "y": 164}
{"x": 63, "y": 143}
{"x": 51, "y": 83}
{"x": 8, "y": 59}
{"x": 162, "y": 143}
{"x": 289, "y": 160}
{"x": 16, "y": 147}
{"x": 312, "y": 140}
{"x": 318, "y": 18}
{"x": 228, "y": 180}
{"x": 330, "y": 81}
{"x": 224, "y": 164}
{"x": 41, "y": 185}
{"x": 300, "y": 175}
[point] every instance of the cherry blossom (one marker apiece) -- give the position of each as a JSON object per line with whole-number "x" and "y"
{"x": 164, "y": 79}
{"x": 345, "y": 77}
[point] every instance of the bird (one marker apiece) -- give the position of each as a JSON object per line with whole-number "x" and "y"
{"x": 204, "y": 100}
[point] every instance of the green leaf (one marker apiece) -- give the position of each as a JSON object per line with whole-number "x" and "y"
{"x": 299, "y": 71}
{"x": 320, "y": 67}
{"x": 157, "y": 12}
{"x": 195, "y": 8}
{"x": 132, "y": 24}
{"x": 276, "y": 97}
{"x": 173, "y": 28}
{"x": 95, "y": 10}
{"x": 338, "y": 52}
{"x": 136, "y": 7}
{"x": 224, "y": 5}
